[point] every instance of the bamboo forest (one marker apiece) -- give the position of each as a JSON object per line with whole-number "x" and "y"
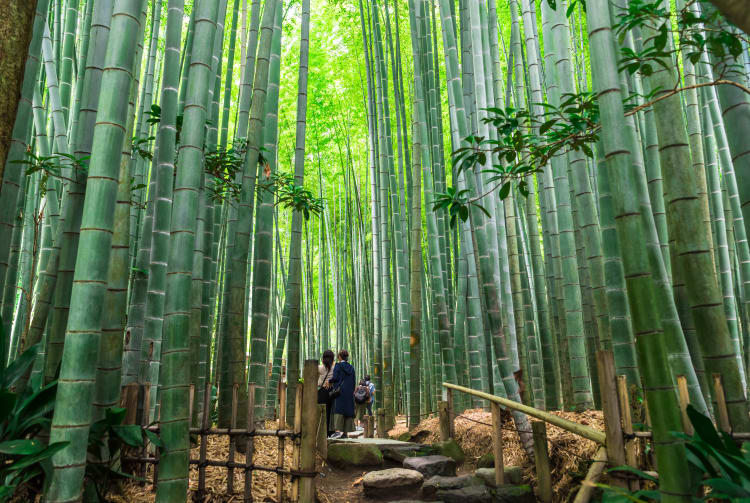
{"x": 519, "y": 227}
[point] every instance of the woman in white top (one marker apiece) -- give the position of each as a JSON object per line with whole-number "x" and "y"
{"x": 325, "y": 373}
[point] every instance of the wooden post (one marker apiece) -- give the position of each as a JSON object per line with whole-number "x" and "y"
{"x": 369, "y": 426}
{"x": 250, "y": 447}
{"x": 282, "y": 440}
{"x": 497, "y": 443}
{"x": 541, "y": 458}
{"x": 631, "y": 447}
{"x": 322, "y": 431}
{"x": 129, "y": 401}
{"x": 381, "y": 424}
{"x": 721, "y": 404}
{"x": 451, "y": 413}
{"x": 615, "y": 443}
{"x": 309, "y": 427}
{"x": 445, "y": 426}
{"x": 684, "y": 396}
{"x": 297, "y": 441}
{"x": 232, "y": 439}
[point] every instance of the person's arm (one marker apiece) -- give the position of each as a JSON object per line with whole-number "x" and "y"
{"x": 336, "y": 376}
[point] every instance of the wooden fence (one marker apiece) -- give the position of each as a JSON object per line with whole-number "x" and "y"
{"x": 304, "y": 435}
{"x": 619, "y": 444}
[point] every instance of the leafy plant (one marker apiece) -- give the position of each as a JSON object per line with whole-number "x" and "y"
{"x": 108, "y": 438}
{"x": 290, "y": 195}
{"x": 724, "y": 464}
{"x": 24, "y": 457}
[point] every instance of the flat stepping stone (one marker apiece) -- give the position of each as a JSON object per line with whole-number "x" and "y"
{"x": 438, "y": 482}
{"x": 352, "y": 455}
{"x": 513, "y": 475}
{"x": 393, "y": 483}
{"x": 432, "y": 465}
{"x": 399, "y": 454}
{"x": 469, "y": 494}
{"x": 381, "y": 443}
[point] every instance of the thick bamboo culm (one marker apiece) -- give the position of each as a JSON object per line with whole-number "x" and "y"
{"x": 584, "y": 431}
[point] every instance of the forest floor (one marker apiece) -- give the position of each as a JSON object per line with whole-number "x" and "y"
{"x": 570, "y": 457}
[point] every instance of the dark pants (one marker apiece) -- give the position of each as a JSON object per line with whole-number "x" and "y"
{"x": 329, "y": 409}
{"x": 369, "y": 409}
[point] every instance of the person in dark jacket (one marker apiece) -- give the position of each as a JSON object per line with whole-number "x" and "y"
{"x": 343, "y": 375}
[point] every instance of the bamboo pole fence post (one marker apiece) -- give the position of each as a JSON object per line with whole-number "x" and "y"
{"x": 684, "y": 397}
{"x": 144, "y": 423}
{"x": 232, "y": 441}
{"x": 445, "y": 427}
{"x": 202, "y": 451}
{"x": 631, "y": 447}
{"x": 588, "y": 485}
{"x": 250, "y": 447}
{"x": 296, "y": 462}
{"x": 497, "y": 443}
{"x": 615, "y": 443}
{"x": 156, "y": 450}
{"x": 282, "y": 441}
{"x": 721, "y": 404}
{"x": 309, "y": 424}
{"x": 451, "y": 413}
{"x": 541, "y": 458}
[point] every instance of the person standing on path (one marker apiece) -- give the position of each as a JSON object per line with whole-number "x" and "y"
{"x": 325, "y": 374}
{"x": 371, "y": 386}
{"x": 343, "y": 378}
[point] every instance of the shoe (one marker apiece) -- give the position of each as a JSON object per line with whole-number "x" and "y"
{"x": 338, "y": 434}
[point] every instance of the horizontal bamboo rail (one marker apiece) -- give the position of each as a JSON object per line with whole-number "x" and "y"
{"x": 227, "y": 464}
{"x": 579, "y": 429}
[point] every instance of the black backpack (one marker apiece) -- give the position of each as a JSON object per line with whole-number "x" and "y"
{"x": 362, "y": 394}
